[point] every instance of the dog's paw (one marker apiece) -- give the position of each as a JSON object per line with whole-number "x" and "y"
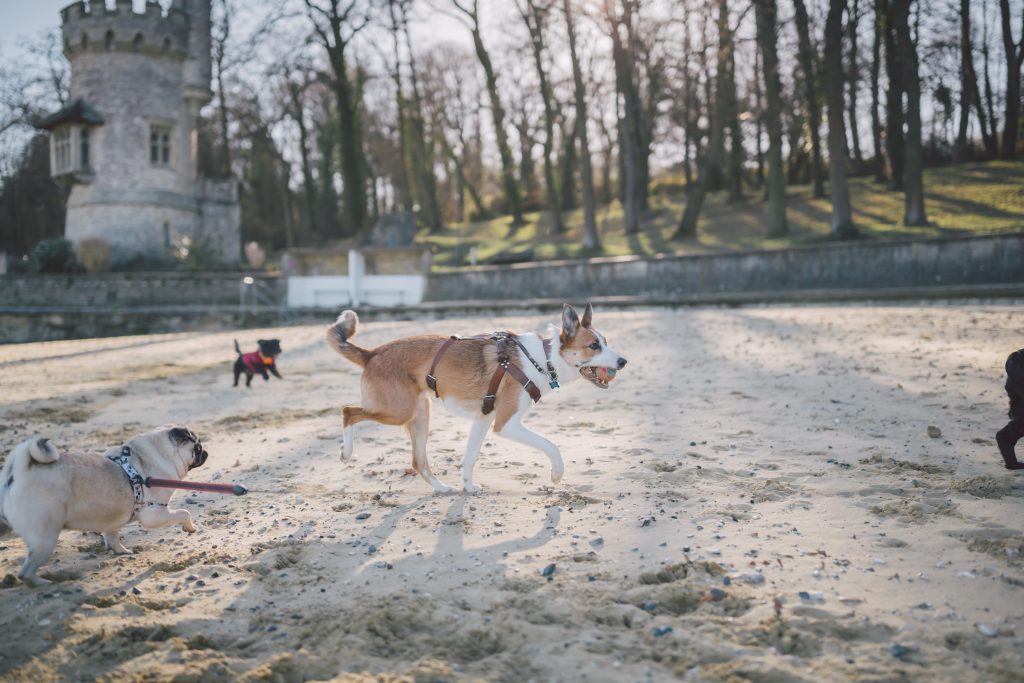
{"x": 35, "y": 581}
{"x": 556, "y": 475}
{"x": 470, "y": 488}
{"x": 188, "y": 527}
{"x": 442, "y": 488}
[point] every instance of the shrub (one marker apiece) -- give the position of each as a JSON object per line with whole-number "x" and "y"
{"x": 55, "y": 255}
{"x": 94, "y": 255}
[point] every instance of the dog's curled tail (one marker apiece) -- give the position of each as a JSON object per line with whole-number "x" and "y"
{"x": 40, "y": 451}
{"x": 338, "y": 335}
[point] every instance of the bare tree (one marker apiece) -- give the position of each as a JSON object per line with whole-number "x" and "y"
{"x": 336, "y": 25}
{"x": 808, "y": 56}
{"x": 535, "y": 14}
{"x": 767, "y": 37}
{"x": 842, "y": 217}
{"x": 470, "y": 11}
{"x": 913, "y": 212}
{"x": 1014, "y": 60}
{"x": 876, "y": 60}
{"x": 590, "y": 238}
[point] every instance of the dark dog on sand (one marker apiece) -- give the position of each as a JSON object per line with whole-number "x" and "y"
{"x": 260, "y": 362}
{"x": 1008, "y": 436}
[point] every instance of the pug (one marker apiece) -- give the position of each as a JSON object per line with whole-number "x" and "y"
{"x": 43, "y": 491}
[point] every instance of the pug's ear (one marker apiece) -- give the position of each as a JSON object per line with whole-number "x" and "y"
{"x": 182, "y": 435}
{"x": 588, "y": 316}
{"x": 570, "y": 322}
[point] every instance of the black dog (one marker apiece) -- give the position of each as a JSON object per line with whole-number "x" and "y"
{"x": 1008, "y": 436}
{"x": 258, "y": 362}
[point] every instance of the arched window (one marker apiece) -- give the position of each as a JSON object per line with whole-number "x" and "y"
{"x": 137, "y": 42}
{"x": 85, "y": 41}
{"x": 167, "y": 44}
{"x": 108, "y": 40}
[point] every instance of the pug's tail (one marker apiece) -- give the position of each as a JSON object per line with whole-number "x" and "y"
{"x": 338, "y": 334}
{"x": 238, "y": 349}
{"x": 24, "y": 455}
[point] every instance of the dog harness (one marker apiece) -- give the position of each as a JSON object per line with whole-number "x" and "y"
{"x": 256, "y": 361}
{"x": 134, "y": 479}
{"x": 502, "y": 342}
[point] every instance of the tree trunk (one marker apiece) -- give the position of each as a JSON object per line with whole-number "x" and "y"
{"x": 631, "y": 121}
{"x": 737, "y": 155}
{"x": 534, "y": 17}
{"x": 715, "y": 158}
{"x": 758, "y": 116}
{"x": 961, "y": 148}
{"x": 913, "y": 213}
{"x": 508, "y": 176}
{"x": 308, "y": 184}
{"x": 403, "y": 185}
{"x": 767, "y": 36}
{"x": 1014, "y": 59}
{"x": 894, "y": 143}
{"x": 842, "y": 216}
{"x": 526, "y": 142}
{"x": 422, "y": 147}
{"x": 807, "y": 58}
{"x": 853, "y": 76}
{"x": 567, "y": 169}
{"x": 876, "y": 123}
{"x": 989, "y": 100}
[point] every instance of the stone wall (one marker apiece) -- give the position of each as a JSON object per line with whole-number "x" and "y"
{"x": 984, "y": 260}
{"x": 123, "y": 290}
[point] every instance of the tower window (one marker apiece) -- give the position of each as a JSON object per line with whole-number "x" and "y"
{"x": 159, "y": 145}
{"x": 83, "y": 148}
{"x": 137, "y": 42}
{"x": 85, "y": 41}
{"x": 62, "y": 150}
{"x": 108, "y": 40}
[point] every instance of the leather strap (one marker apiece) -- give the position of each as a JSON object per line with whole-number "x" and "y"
{"x": 431, "y": 377}
{"x": 501, "y": 341}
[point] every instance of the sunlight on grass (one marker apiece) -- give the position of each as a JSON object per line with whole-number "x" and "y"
{"x": 960, "y": 200}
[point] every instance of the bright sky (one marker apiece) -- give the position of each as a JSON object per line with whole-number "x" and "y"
{"x": 26, "y": 19}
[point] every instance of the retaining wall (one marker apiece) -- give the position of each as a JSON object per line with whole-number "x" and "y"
{"x": 982, "y": 260}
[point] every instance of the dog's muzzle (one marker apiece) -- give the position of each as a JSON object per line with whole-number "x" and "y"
{"x": 199, "y": 456}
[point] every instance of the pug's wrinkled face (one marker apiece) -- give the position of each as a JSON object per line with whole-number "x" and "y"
{"x": 182, "y": 437}
{"x": 587, "y": 349}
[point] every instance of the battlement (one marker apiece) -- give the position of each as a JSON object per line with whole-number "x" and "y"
{"x": 94, "y": 27}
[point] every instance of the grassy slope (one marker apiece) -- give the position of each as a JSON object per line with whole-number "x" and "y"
{"x": 973, "y": 198}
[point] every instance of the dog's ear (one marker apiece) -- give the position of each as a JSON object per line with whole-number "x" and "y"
{"x": 570, "y": 322}
{"x": 182, "y": 435}
{"x": 588, "y": 316}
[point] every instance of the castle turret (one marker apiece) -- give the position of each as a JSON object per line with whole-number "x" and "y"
{"x": 198, "y": 67}
{"x": 128, "y": 141}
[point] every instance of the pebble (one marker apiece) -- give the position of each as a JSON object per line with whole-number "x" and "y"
{"x": 136, "y": 591}
{"x": 714, "y": 551}
{"x": 371, "y": 549}
{"x": 967, "y": 575}
{"x": 812, "y": 596}
{"x": 649, "y": 606}
{"x": 726, "y": 580}
{"x": 662, "y": 631}
{"x": 362, "y": 515}
{"x": 754, "y": 578}
{"x": 987, "y": 630}
{"x": 548, "y": 571}
{"x": 897, "y": 650}
{"x": 716, "y": 594}
{"x": 597, "y": 542}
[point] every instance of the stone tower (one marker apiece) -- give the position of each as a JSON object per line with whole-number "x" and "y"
{"x": 128, "y": 140}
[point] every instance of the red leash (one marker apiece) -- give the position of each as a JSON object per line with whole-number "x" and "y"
{"x": 231, "y": 489}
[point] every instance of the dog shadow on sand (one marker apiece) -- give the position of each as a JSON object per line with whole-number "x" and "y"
{"x": 306, "y": 592}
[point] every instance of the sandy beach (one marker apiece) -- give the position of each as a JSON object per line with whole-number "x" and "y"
{"x": 766, "y": 494}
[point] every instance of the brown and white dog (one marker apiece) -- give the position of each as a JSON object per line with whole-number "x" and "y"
{"x": 395, "y": 391}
